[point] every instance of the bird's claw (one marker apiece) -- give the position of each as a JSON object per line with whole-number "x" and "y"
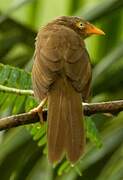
{"x": 39, "y": 110}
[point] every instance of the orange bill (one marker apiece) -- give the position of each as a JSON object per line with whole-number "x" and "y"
{"x": 91, "y": 29}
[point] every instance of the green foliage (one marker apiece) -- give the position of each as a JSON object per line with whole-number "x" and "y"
{"x": 92, "y": 132}
{"x": 17, "y": 78}
{"x": 114, "y": 167}
{"x": 20, "y": 157}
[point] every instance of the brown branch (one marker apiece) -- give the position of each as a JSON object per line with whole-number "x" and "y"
{"x": 89, "y": 109}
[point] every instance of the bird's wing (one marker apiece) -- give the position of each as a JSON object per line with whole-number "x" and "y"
{"x": 47, "y": 62}
{"x": 77, "y": 65}
{"x": 80, "y": 74}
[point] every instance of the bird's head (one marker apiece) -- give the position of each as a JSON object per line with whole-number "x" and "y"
{"x": 79, "y": 25}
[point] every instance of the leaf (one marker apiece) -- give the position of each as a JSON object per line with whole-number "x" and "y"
{"x": 23, "y": 33}
{"x": 113, "y": 170}
{"x": 41, "y": 170}
{"x": 13, "y": 77}
{"x": 19, "y": 154}
{"x": 12, "y": 140}
{"x": 62, "y": 168}
{"x": 42, "y": 141}
{"x": 13, "y": 8}
{"x": 105, "y": 63}
{"x": 92, "y": 132}
{"x": 100, "y": 10}
{"x": 114, "y": 72}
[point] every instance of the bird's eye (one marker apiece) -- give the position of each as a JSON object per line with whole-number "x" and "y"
{"x": 80, "y": 25}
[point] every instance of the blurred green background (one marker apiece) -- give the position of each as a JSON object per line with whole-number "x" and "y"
{"x": 23, "y": 149}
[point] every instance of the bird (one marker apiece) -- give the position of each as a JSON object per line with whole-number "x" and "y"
{"x": 61, "y": 76}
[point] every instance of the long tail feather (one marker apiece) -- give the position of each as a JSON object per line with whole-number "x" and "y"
{"x": 65, "y": 123}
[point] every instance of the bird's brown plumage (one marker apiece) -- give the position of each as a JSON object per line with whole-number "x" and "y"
{"x": 62, "y": 72}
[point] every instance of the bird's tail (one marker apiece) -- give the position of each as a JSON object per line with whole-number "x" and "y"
{"x": 65, "y": 123}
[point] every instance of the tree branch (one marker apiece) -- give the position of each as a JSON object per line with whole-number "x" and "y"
{"x": 32, "y": 117}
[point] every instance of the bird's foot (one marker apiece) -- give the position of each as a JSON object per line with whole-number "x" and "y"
{"x": 39, "y": 109}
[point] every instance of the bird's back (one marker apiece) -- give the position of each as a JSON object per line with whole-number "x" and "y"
{"x": 59, "y": 52}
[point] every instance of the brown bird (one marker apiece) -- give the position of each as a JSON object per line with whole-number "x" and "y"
{"x": 62, "y": 74}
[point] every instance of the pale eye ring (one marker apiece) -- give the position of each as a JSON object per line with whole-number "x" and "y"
{"x": 81, "y": 25}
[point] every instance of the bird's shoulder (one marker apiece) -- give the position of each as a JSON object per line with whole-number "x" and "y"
{"x": 59, "y": 36}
